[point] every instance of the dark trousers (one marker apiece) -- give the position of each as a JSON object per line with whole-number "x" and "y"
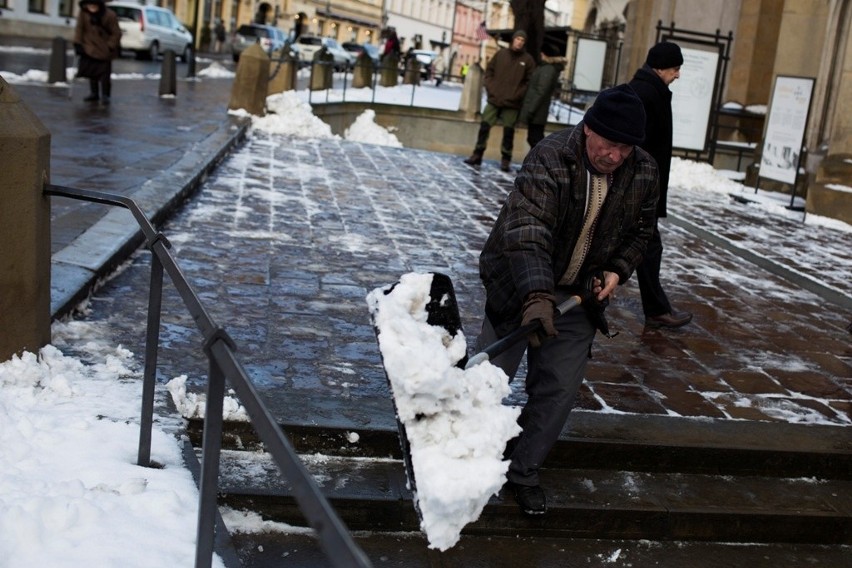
{"x": 654, "y": 300}
{"x": 490, "y": 116}
{"x": 555, "y": 372}
{"x": 535, "y": 133}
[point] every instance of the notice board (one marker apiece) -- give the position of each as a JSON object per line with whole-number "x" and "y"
{"x": 589, "y": 65}
{"x": 785, "y": 128}
{"x": 692, "y": 98}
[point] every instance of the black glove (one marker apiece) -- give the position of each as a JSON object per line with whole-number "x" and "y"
{"x": 594, "y": 307}
{"x": 540, "y": 306}
{"x": 78, "y": 49}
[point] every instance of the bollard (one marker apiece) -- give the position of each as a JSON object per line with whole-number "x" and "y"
{"x": 362, "y": 74}
{"x": 251, "y": 84}
{"x": 24, "y": 228}
{"x": 322, "y": 70}
{"x": 390, "y": 71}
{"x": 58, "y": 62}
{"x": 471, "y": 99}
{"x": 283, "y": 75}
{"x": 168, "y": 75}
{"x": 412, "y": 72}
{"x": 190, "y": 65}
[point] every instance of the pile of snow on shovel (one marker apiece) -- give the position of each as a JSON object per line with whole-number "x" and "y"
{"x": 456, "y": 423}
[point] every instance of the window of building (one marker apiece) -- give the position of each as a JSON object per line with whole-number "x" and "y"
{"x": 36, "y": 6}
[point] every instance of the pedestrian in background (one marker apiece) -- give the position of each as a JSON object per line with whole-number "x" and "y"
{"x": 506, "y": 78}
{"x": 577, "y": 221}
{"x": 651, "y": 82}
{"x": 543, "y": 83}
{"x": 463, "y": 71}
{"x": 392, "y": 46}
{"x": 439, "y": 68}
{"x": 97, "y": 41}
{"x": 219, "y": 33}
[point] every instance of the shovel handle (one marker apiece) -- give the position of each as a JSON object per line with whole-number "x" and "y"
{"x": 522, "y": 332}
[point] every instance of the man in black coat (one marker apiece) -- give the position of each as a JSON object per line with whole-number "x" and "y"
{"x": 577, "y": 221}
{"x": 651, "y": 82}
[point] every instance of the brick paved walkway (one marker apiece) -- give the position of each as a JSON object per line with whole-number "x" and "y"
{"x": 286, "y": 239}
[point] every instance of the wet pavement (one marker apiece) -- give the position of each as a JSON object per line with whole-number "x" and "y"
{"x": 286, "y": 237}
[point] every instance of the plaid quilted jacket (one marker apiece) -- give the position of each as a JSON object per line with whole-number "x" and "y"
{"x": 530, "y": 245}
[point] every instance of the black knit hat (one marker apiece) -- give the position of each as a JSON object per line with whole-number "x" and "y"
{"x": 664, "y": 55}
{"x": 618, "y": 115}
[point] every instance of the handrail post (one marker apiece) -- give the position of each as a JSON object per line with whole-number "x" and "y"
{"x": 211, "y": 449}
{"x": 152, "y": 342}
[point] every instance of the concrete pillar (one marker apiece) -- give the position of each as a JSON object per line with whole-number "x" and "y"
{"x": 58, "y": 63}
{"x": 412, "y": 72}
{"x": 24, "y": 228}
{"x": 362, "y": 75}
{"x": 390, "y": 71}
{"x": 283, "y": 75}
{"x": 168, "y": 74}
{"x": 471, "y": 98}
{"x": 251, "y": 84}
{"x": 322, "y": 70}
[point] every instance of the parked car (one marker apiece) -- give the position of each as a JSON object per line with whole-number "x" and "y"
{"x": 356, "y": 49}
{"x": 270, "y": 39}
{"x": 148, "y": 31}
{"x": 426, "y": 58}
{"x": 309, "y": 45}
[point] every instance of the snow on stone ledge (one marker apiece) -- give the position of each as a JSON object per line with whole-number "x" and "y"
{"x": 456, "y": 423}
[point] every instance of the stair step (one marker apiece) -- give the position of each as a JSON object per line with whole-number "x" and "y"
{"x": 623, "y": 442}
{"x": 371, "y": 494}
{"x": 409, "y": 550}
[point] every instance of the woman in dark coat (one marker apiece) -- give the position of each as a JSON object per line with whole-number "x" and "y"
{"x": 97, "y": 41}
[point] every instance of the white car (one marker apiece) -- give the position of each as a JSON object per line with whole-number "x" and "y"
{"x": 150, "y": 30}
{"x": 309, "y": 45}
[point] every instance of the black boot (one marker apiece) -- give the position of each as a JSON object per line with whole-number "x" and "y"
{"x": 93, "y": 87}
{"x": 475, "y": 158}
{"x": 106, "y": 89}
{"x": 504, "y": 164}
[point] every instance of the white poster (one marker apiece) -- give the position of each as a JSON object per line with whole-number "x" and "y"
{"x": 785, "y": 128}
{"x": 589, "y": 65}
{"x": 692, "y": 98}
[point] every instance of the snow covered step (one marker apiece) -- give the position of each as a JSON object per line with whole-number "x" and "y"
{"x": 371, "y": 495}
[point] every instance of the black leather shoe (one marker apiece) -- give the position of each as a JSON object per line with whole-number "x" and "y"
{"x": 504, "y": 165}
{"x": 530, "y": 498}
{"x": 92, "y": 98}
{"x": 670, "y": 320}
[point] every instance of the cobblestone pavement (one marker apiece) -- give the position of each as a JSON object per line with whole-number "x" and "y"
{"x": 288, "y": 236}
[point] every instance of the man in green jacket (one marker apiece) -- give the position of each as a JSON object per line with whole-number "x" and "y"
{"x": 506, "y": 78}
{"x": 577, "y": 222}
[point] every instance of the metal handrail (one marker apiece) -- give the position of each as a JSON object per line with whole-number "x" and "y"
{"x": 333, "y": 535}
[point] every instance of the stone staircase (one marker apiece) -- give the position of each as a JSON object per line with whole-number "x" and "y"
{"x": 646, "y": 487}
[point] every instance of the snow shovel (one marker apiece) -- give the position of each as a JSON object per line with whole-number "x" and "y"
{"x": 442, "y": 311}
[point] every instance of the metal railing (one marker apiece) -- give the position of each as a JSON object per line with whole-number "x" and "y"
{"x": 334, "y": 537}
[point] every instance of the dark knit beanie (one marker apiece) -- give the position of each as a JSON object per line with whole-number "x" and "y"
{"x": 664, "y": 55}
{"x": 519, "y": 33}
{"x": 618, "y": 115}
